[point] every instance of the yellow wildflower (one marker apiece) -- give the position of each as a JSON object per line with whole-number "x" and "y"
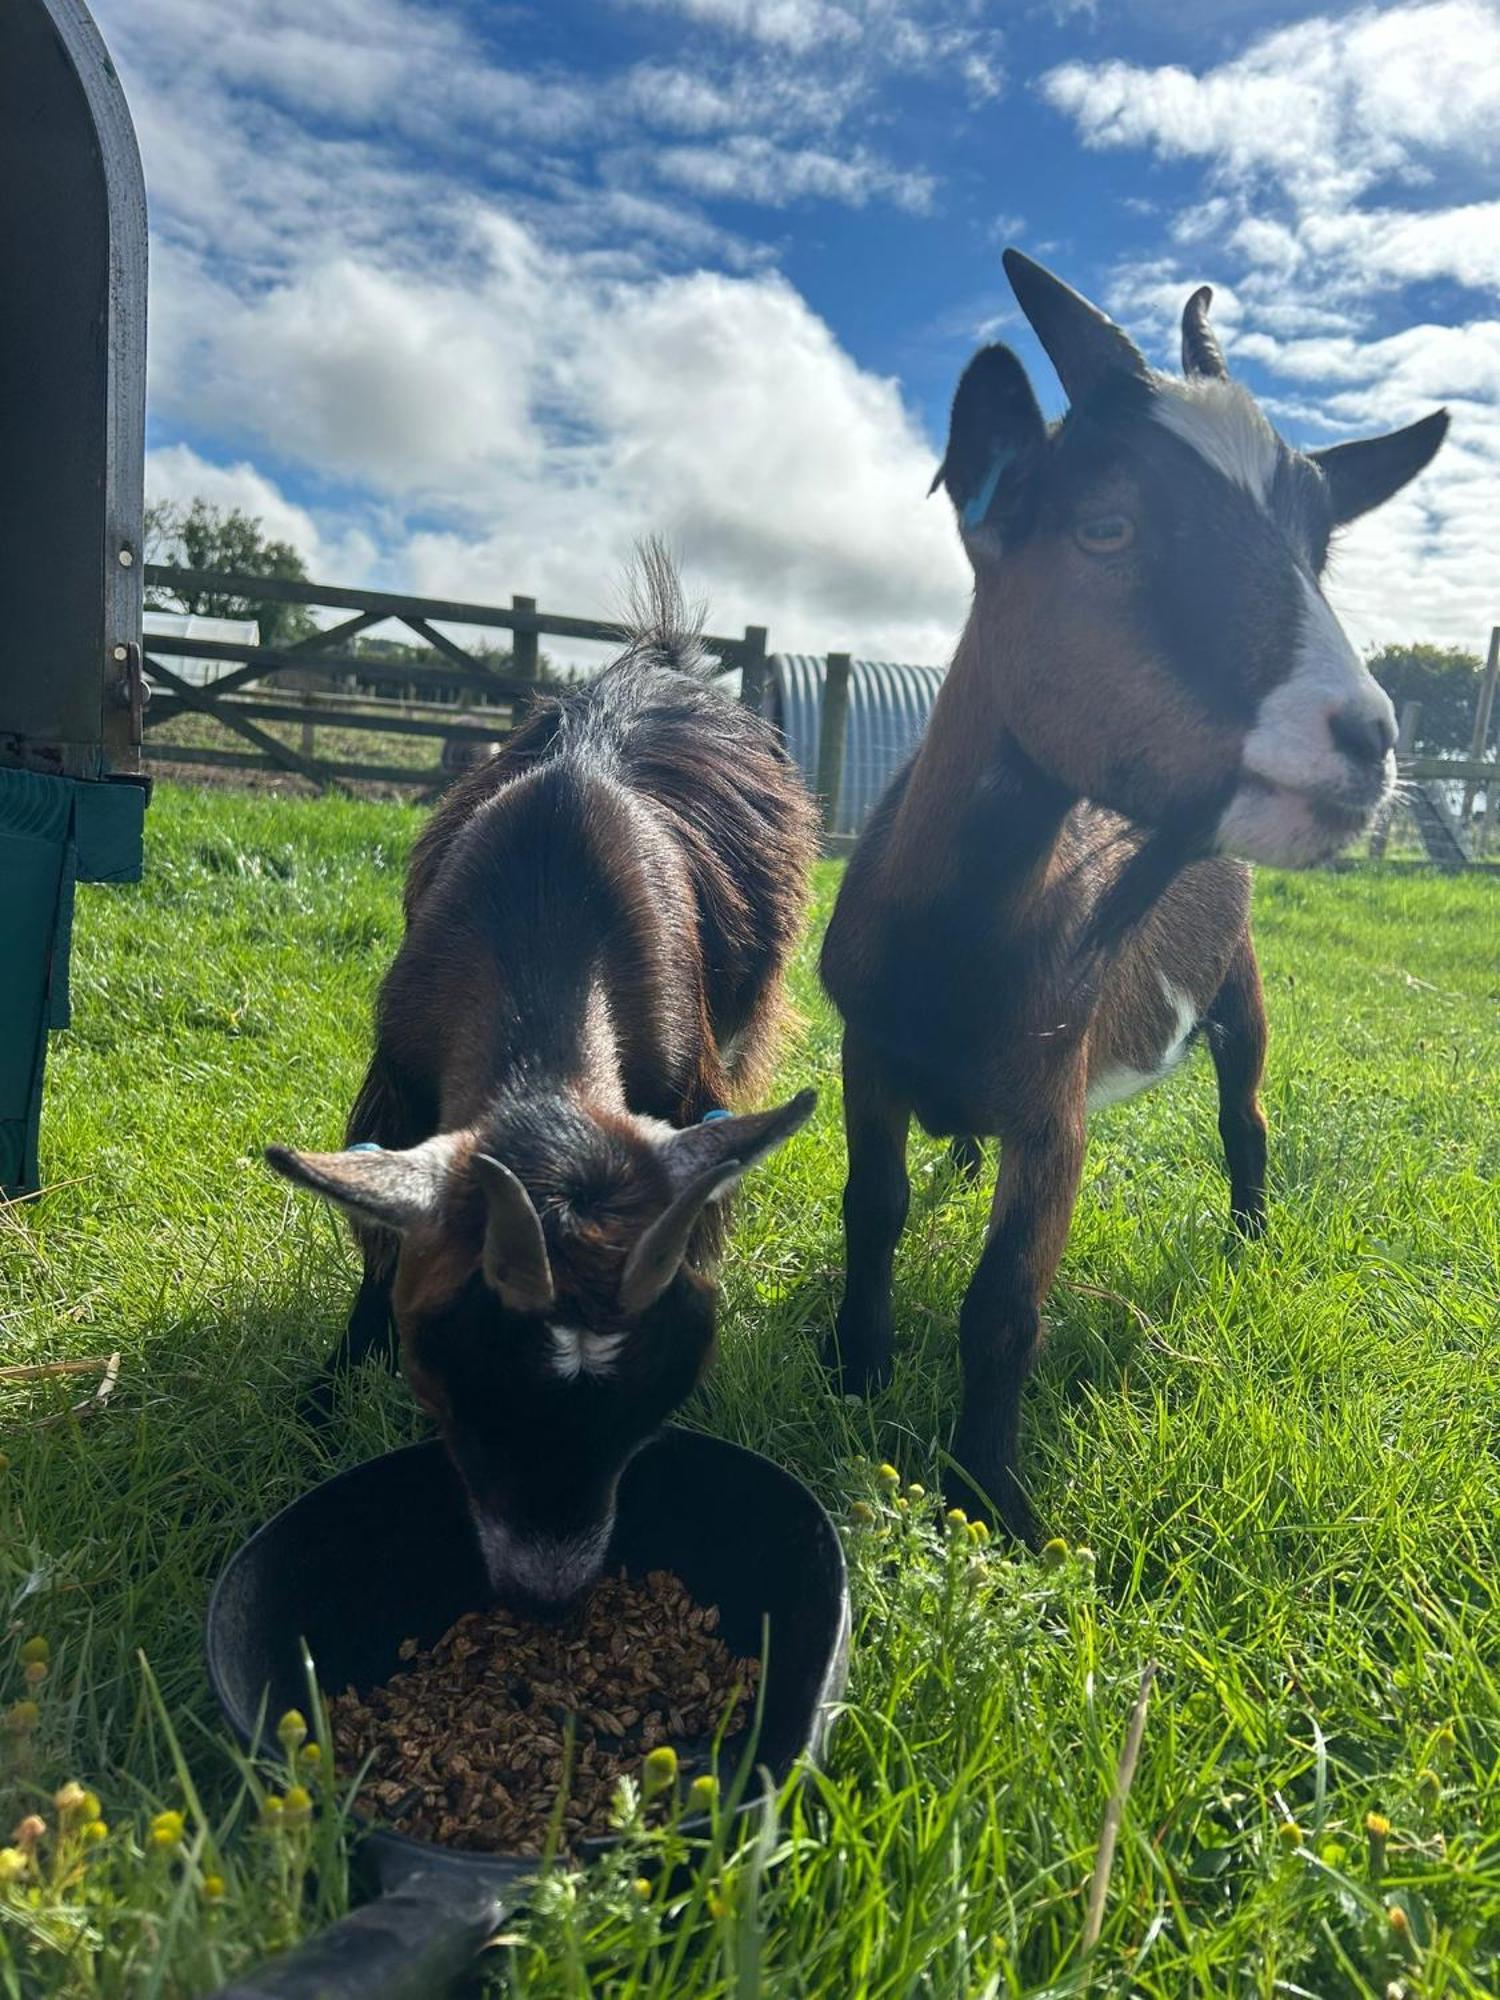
{"x": 659, "y": 1770}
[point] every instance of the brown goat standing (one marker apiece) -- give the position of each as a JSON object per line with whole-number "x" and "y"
{"x": 1030, "y": 927}
{"x": 597, "y": 924}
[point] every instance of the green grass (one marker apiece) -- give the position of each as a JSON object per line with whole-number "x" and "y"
{"x": 1285, "y": 1465}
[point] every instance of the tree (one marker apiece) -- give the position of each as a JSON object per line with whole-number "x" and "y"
{"x": 1445, "y": 679}
{"x": 199, "y": 536}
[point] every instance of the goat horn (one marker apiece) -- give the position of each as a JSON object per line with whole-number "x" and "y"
{"x": 515, "y": 1251}
{"x": 1201, "y": 352}
{"x": 652, "y": 1264}
{"x": 1082, "y": 343}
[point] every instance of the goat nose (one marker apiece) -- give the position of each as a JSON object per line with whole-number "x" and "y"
{"x": 1363, "y": 735}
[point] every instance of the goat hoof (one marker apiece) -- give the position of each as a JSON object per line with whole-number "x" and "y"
{"x": 1011, "y": 1512}
{"x": 852, "y": 1375}
{"x": 315, "y": 1404}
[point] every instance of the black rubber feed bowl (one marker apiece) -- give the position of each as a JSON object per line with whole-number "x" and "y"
{"x": 385, "y": 1552}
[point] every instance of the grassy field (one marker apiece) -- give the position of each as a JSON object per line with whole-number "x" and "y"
{"x": 1279, "y": 1478}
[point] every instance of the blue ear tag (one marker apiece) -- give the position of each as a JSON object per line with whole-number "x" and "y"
{"x": 709, "y": 1116}
{"x": 980, "y": 504}
{"x": 364, "y": 1146}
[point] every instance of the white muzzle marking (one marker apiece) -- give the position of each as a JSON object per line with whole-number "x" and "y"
{"x": 1301, "y": 801}
{"x": 1290, "y": 745}
{"x": 576, "y": 1351}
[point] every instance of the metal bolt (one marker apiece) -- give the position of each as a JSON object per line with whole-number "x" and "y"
{"x": 127, "y": 557}
{"x": 120, "y": 653}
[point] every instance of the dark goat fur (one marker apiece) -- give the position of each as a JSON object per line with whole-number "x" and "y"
{"x": 1044, "y": 911}
{"x": 597, "y": 925}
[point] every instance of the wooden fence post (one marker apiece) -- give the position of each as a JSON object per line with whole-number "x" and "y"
{"x": 831, "y": 735}
{"x": 525, "y": 653}
{"x": 1482, "y": 729}
{"x": 753, "y": 665}
{"x": 1406, "y": 735}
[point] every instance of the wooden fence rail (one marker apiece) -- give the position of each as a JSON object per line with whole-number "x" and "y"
{"x": 301, "y": 682}
{"x": 319, "y": 683}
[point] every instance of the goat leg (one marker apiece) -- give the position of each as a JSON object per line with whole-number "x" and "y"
{"x": 1000, "y": 1322}
{"x": 370, "y": 1333}
{"x": 381, "y": 1112}
{"x": 1237, "y": 1042}
{"x": 876, "y": 1195}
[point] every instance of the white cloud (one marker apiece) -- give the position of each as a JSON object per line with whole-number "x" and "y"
{"x": 913, "y": 34}
{"x": 794, "y": 25}
{"x": 1334, "y": 150}
{"x": 179, "y": 475}
{"x": 1328, "y": 104}
{"x": 747, "y": 167}
{"x": 479, "y": 396}
{"x": 521, "y": 432}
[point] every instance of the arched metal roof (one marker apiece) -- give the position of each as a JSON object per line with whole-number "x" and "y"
{"x": 888, "y": 709}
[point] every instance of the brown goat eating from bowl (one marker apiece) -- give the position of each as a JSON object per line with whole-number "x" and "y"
{"x": 1050, "y": 901}
{"x": 597, "y": 925}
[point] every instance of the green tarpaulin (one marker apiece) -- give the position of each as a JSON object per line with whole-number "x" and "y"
{"x": 54, "y": 832}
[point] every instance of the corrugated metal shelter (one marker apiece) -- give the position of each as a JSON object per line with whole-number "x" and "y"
{"x": 888, "y": 709}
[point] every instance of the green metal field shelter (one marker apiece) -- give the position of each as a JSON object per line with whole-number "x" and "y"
{"x": 72, "y": 441}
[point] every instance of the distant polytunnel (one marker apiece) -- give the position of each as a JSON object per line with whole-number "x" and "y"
{"x": 888, "y": 709}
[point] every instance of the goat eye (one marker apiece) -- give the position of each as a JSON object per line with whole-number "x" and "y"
{"x": 1105, "y": 534}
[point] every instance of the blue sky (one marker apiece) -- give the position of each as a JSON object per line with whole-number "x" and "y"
{"x": 465, "y": 298}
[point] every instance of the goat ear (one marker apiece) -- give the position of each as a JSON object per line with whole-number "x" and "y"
{"x": 746, "y": 1140}
{"x": 1367, "y": 472}
{"x": 516, "y": 1265}
{"x": 994, "y": 435}
{"x": 704, "y": 1163}
{"x": 395, "y": 1189}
